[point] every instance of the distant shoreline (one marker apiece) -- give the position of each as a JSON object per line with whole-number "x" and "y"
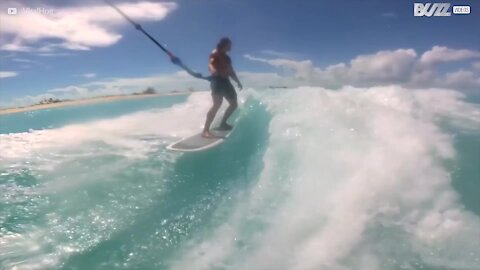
{"x": 84, "y": 101}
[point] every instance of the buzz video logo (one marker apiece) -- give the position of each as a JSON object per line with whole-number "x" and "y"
{"x": 438, "y": 9}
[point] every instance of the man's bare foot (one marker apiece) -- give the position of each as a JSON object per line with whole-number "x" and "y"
{"x": 207, "y": 134}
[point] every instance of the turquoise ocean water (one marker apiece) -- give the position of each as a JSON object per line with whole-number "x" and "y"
{"x": 379, "y": 178}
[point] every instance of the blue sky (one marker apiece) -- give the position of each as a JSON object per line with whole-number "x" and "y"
{"x": 324, "y": 33}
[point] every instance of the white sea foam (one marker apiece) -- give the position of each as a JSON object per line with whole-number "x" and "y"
{"x": 352, "y": 179}
{"x": 122, "y": 132}
{"x": 67, "y": 159}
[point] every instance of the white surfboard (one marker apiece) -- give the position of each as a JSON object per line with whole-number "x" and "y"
{"x": 197, "y": 143}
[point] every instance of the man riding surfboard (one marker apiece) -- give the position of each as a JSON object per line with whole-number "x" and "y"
{"x": 220, "y": 66}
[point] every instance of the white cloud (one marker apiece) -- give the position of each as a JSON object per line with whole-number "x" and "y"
{"x": 440, "y": 54}
{"x": 401, "y": 66}
{"x": 14, "y": 46}
{"x": 22, "y": 60}
{"x": 25, "y": 101}
{"x": 278, "y": 54}
{"x": 7, "y": 74}
{"x": 53, "y": 54}
{"x": 267, "y": 80}
{"x": 384, "y": 66}
{"x": 73, "y": 28}
{"x": 116, "y": 86}
{"x": 476, "y": 65}
{"x": 70, "y": 89}
{"x": 282, "y": 62}
{"x": 28, "y": 63}
{"x": 303, "y": 69}
{"x": 462, "y": 79}
{"x": 89, "y": 75}
{"x": 161, "y": 83}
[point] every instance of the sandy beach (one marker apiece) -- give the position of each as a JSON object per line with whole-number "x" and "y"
{"x": 4, "y": 111}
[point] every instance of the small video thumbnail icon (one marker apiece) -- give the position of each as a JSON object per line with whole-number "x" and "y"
{"x": 12, "y": 11}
